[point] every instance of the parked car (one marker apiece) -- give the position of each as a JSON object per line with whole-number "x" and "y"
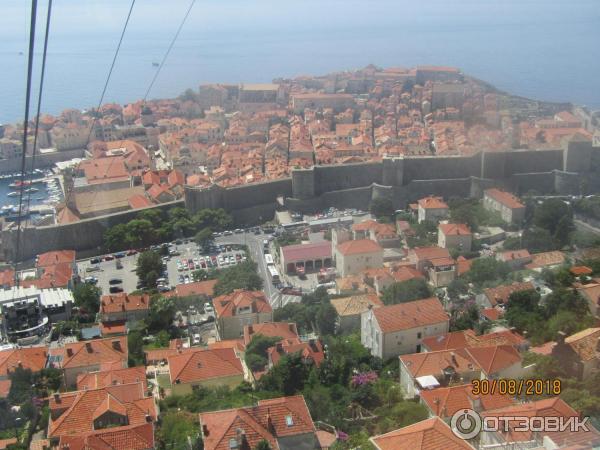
{"x": 115, "y": 281}
{"x": 115, "y": 289}
{"x": 95, "y": 261}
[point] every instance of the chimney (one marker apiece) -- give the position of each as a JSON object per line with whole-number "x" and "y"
{"x": 57, "y": 397}
{"x": 69, "y": 352}
{"x": 205, "y": 432}
{"x": 453, "y": 357}
{"x": 148, "y": 418}
{"x": 560, "y": 338}
{"x": 88, "y": 347}
{"x": 116, "y": 344}
{"x": 279, "y": 347}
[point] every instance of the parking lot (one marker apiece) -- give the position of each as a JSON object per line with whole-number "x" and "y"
{"x": 185, "y": 257}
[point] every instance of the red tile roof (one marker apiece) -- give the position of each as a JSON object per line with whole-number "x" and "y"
{"x": 495, "y": 358}
{"x": 455, "y": 229}
{"x": 359, "y": 247}
{"x": 585, "y": 344}
{"x": 504, "y": 198}
{"x": 311, "y": 352}
{"x": 303, "y": 252}
{"x": 554, "y": 407}
{"x": 269, "y": 419}
{"x": 501, "y": 294}
{"x": 113, "y": 328}
{"x": 4, "y": 443}
{"x": 136, "y": 437}
{"x": 581, "y": 270}
{"x": 7, "y": 277}
{"x": 55, "y": 257}
{"x": 121, "y": 302}
{"x": 284, "y": 330}
{"x": 72, "y": 413}
{"x": 95, "y": 380}
{"x": 513, "y": 255}
{"x": 429, "y": 434}
{"x": 227, "y": 305}
{"x": 429, "y": 253}
{"x": 445, "y": 401}
{"x": 197, "y": 288}
{"x": 202, "y": 365}
{"x": 432, "y": 203}
{"x": 468, "y": 338}
{"x": 94, "y": 352}
{"x": 139, "y": 201}
{"x": 33, "y": 358}
{"x": 405, "y": 316}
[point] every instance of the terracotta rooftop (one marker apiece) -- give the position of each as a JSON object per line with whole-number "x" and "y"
{"x": 123, "y": 302}
{"x": 445, "y": 401}
{"x": 455, "y": 229}
{"x": 513, "y": 255}
{"x": 504, "y": 198}
{"x": 283, "y": 330}
{"x": 432, "y": 203}
{"x": 94, "y": 352}
{"x": 555, "y": 407}
{"x": 227, "y": 305}
{"x": 358, "y": 247}
{"x": 356, "y": 304}
{"x": 95, "y": 380}
{"x": 55, "y": 257}
{"x": 311, "y": 352}
{"x": 205, "y": 288}
{"x": 269, "y": 419}
{"x": 405, "y": 316}
{"x": 494, "y": 358}
{"x": 203, "y": 365}
{"x": 436, "y": 362}
{"x": 72, "y": 413}
{"x": 130, "y": 437}
{"x": 539, "y": 260}
{"x": 585, "y": 344}
{"x": 429, "y": 434}
{"x": 468, "y": 338}
{"x": 303, "y": 252}
{"x": 33, "y": 358}
{"x": 429, "y": 253}
{"x": 501, "y": 294}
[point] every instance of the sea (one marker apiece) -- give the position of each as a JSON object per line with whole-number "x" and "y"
{"x": 543, "y": 49}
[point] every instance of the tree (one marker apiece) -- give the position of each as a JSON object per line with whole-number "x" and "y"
{"x": 382, "y": 207}
{"x": 242, "y": 276}
{"x": 288, "y": 376}
{"x": 563, "y": 231}
{"x": 161, "y": 315}
{"x": 87, "y": 298}
{"x": 263, "y": 444}
{"x": 256, "y": 351}
{"x": 175, "y": 429}
{"x": 538, "y": 240}
{"x": 326, "y": 319}
{"x": 135, "y": 345}
{"x": 203, "y": 237}
{"x": 549, "y": 214}
{"x": 140, "y": 233}
{"x": 457, "y": 287}
{"x": 406, "y": 291}
{"x": 115, "y": 238}
{"x": 149, "y": 267}
{"x": 487, "y": 269}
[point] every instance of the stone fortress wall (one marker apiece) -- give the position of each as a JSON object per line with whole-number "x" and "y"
{"x": 570, "y": 170}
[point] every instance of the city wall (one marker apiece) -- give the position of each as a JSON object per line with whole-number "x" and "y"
{"x": 41, "y": 160}
{"x": 570, "y": 170}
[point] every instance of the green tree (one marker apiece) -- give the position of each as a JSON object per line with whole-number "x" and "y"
{"x": 406, "y": 291}
{"x": 326, "y": 319}
{"x": 263, "y": 444}
{"x": 538, "y": 240}
{"x": 256, "y": 351}
{"x": 161, "y": 314}
{"x": 297, "y": 313}
{"x": 549, "y": 214}
{"x": 140, "y": 233}
{"x": 382, "y": 207}
{"x": 175, "y": 429}
{"x": 457, "y": 287}
{"x": 215, "y": 219}
{"x": 288, "y": 376}
{"x": 487, "y": 270}
{"x": 242, "y": 276}
{"x": 115, "y": 238}
{"x": 563, "y": 231}
{"x": 149, "y": 267}
{"x": 135, "y": 345}
{"x": 203, "y": 237}
{"x": 87, "y": 298}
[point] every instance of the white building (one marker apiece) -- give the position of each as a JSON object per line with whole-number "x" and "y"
{"x": 352, "y": 257}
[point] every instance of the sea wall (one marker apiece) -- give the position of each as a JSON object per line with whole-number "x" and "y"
{"x": 41, "y": 160}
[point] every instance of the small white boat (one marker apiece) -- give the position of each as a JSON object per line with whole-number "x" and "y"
{"x": 12, "y": 194}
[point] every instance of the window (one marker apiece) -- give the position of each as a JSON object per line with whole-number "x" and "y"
{"x": 419, "y": 335}
{"x": 289, "y": 421}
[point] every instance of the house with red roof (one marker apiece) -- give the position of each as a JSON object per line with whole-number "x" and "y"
{"x": 455, "y": 235}
{"x": 516, "y": 259}
{"x": 467, "y": 338}
{"x": 112, "y": 377}
{"x": 383, "y": 233}
{"x": 310, "y": 351}
{"x": 95, "y": 411}
{"x": 32, "y": 358}
{"x": 432, "y": 208}
{"x": 284, "y": 330}
{"x": 499, "y": 296}
{"x": 354, "y": 256}
{"x": 90, "y": 356}
{"x": 136, "y": 437}
{"x": 509, "y": 207}
{"x": 421, "y": 257}
{"x": 238, "y": 309}
{"x": 443, "y": 402}
{"x": 209, "y": 368}
{"x": 394, "y": 330}
{"x": 578, "y": 354}
{"x": 285, "y": 423}
{"x": 513, "y": 434}
{"x": 429, "y": 434}
{"x": 123, "y": 306}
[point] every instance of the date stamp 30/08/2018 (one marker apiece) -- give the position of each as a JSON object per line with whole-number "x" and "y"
{"x": 516, "y": 387}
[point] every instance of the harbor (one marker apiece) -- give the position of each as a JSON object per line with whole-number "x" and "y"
{"x": 42, "y": 190}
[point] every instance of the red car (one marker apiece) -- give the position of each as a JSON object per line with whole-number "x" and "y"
{"x": 109, "y": 258}
{"x": 132, "y": 252}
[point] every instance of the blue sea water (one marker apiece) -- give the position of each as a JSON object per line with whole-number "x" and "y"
{"x": 544, "y": 49}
